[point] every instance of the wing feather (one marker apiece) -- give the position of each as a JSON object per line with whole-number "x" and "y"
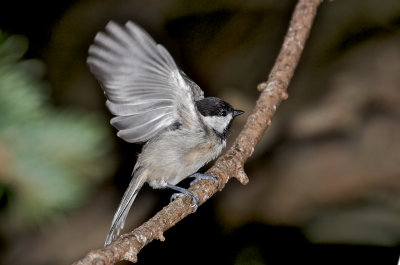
{"x": 145, "y": 89}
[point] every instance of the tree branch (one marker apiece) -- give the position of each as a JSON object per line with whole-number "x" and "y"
{"x": 231, "y": 164}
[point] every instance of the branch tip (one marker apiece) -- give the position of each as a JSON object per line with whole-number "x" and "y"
{"x": 161, "y": 237}
{"x": 262, "y": 86}
{"x": 241, "y": 176}
{"x": 284, "y": 95}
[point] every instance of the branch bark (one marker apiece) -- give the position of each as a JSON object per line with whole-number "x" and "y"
{"x": 231, "y": 164}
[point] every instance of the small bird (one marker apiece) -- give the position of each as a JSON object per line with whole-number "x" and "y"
{"x": 155, "y": 103}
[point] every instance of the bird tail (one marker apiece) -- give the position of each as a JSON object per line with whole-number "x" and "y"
{"x": 125, "y": 204}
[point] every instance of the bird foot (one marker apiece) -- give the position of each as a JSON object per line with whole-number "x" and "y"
{"x": 184, "y": 192}
{"x": 199, "y": 176}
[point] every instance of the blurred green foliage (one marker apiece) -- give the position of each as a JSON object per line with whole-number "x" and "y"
{"x": 50, "y": 158}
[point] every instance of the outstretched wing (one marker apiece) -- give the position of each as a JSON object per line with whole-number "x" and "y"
{"x": 145, "y": 89}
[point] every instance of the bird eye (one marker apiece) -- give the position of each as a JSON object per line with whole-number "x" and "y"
{"x": 223, "y": 113}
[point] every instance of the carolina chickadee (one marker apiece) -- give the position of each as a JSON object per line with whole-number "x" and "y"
{"x": 155, "y": 102}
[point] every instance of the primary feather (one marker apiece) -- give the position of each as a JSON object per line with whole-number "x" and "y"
{"x": 145, "y": 89}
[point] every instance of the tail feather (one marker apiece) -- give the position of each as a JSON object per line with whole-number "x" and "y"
{"x": 125, "y": 205}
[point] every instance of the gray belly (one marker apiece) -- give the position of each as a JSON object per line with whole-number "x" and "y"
{"x": 174, "y": 157}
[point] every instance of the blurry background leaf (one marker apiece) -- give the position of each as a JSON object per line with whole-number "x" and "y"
{"x": 50, "y": 158}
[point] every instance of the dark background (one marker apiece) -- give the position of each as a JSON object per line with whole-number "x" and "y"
{"x": 324, "y": 182}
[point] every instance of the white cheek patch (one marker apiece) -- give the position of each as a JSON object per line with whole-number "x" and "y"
{"x": 218, "y": 123}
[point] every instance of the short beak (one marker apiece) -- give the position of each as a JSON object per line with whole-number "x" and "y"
{"x": 237, "y": 112}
